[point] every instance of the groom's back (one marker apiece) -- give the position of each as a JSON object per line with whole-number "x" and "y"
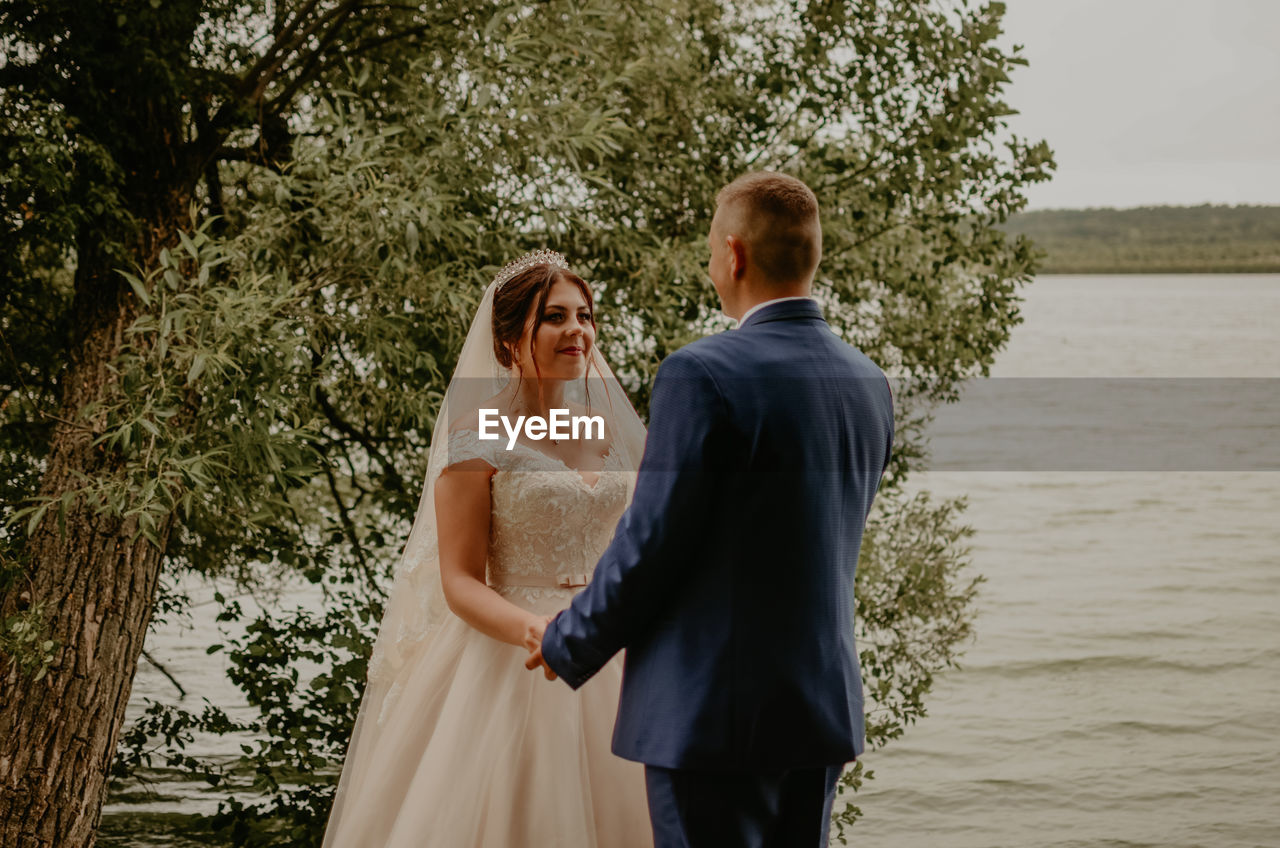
{"x": 754, "y": 663}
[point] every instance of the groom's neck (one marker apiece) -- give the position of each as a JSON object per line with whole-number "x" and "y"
{"x": 752, "y": 295}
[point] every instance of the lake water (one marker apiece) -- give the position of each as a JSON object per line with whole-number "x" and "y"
{"x": 1123, "y": 688}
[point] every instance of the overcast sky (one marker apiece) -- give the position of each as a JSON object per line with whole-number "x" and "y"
{"x": 1150, "y": 101}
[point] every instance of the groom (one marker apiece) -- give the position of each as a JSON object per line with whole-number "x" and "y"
{"x": 730, "y": 578}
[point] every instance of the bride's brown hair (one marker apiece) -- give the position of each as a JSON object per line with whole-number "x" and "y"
{"x": 512, "y": 301}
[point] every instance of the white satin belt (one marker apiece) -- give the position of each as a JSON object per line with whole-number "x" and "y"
{"x": 559, "y": 581}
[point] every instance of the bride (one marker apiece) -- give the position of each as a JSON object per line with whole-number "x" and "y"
{"x": 456, "y": 744}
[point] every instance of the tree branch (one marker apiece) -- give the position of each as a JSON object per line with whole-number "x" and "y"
{"x": 312, "y": 72}
{"x": 349, "y": 524}
{"x": 337, "y": 13}
{"x": 182, "y": 693}
{"x": 394, "y": 480}
{"x": 308, "y": 72}
{"x": 249, "y": 155}
{"x": 255, "y": 81}
{"x": 854, "y": 245}
{"x": 250, "y": 80}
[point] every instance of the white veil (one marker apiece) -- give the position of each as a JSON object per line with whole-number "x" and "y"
{"x": 415, "y": 606}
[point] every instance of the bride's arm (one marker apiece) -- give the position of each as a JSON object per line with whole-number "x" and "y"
{"x": 462, "y": 524}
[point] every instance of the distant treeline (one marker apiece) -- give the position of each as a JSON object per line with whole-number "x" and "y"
{"x": 1155, "y": 239}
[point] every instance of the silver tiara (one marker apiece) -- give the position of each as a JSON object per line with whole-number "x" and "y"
{"x": 524, "y": 263}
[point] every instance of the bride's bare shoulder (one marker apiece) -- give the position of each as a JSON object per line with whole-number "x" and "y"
{"x": 465, "y": 450}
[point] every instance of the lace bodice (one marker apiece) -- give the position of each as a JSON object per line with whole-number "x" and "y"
{"x": 547, "y": 521}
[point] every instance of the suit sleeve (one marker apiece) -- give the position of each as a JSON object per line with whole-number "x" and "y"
{"x": 650, "y": 549}
{"x": 888, "y": 447}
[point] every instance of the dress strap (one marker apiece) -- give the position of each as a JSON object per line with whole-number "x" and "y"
{"x": 465, "y": 444}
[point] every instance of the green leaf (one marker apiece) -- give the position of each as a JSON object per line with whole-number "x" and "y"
{"x": 411, "y": 239}
{"x": 188, "y": 245}
{"x": 36, "y": 516}
{"x": 197, "y": 368}
{"x": 138, "y": 288}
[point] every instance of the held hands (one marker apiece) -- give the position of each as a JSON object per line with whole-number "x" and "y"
{"x": 534, "y": 628}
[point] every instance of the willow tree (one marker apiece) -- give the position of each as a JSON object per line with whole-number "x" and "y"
{"x": 240, "y": 244}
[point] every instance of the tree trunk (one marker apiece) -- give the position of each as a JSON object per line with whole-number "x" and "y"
{"x": 58, "y": 735}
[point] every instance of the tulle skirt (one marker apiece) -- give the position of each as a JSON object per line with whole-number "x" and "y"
{"x": 475, "y": 750}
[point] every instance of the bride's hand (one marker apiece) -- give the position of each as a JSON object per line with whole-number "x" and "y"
{"x": 534, "y": 628}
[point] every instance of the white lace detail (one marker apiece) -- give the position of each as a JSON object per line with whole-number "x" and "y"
{"x": 546, "y": 521}
{"x": 541, "y": 599}
{"x": 466, "y": 444}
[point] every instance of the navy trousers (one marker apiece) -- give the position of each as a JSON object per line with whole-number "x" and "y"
{"x": 716, "y": 809}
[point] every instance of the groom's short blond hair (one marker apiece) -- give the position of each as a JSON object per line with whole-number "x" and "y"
{"x": 777, "y": 216}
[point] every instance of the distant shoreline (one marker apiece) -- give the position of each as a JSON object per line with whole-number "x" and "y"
{"x": 1157, "y": 273}
{"x": 1154, "y": 240}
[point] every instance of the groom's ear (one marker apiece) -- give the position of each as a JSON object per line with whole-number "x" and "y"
{"x": 737, "y": 256}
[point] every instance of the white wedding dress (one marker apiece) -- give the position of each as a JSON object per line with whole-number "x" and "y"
{"x": 472, "y": 749}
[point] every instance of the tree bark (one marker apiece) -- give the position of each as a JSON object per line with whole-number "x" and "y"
{"x": 97, "y": 585}
{"x": 58, "y": 735}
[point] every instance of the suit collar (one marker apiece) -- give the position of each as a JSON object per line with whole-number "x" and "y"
{"x": 787, "y": 310}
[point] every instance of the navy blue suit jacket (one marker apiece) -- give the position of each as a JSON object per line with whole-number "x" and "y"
{"x": 729, "y": 580}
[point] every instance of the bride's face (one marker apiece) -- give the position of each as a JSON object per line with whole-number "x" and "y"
{"x": 564, "y": 338}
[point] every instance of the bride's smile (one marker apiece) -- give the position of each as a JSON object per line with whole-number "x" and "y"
{"x": 556, "y": 343}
